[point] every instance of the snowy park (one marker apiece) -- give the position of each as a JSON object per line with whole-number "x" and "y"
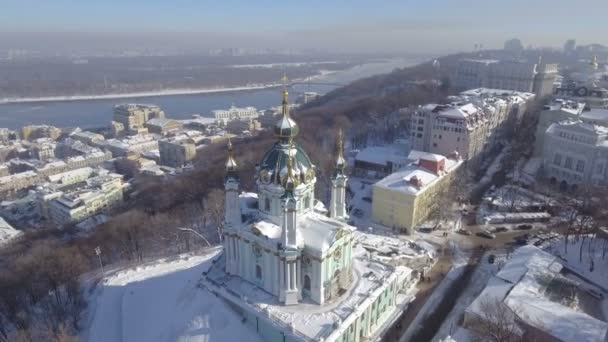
{"x": 161, "y": 301}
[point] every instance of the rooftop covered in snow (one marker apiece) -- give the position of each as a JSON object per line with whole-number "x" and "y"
{"x": 526, "y": 284}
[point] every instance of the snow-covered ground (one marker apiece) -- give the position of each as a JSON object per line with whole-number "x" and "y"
{"x": 161, "y": 302}
{"x": 7, "y": 232}
{"x": 592, "y": 254}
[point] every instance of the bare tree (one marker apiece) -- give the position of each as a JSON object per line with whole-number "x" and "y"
{"x": 498, "y": 323}
{"x": 214, "y": 208}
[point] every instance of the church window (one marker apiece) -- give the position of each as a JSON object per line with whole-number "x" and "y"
{"x": 568, "y": 164}
{"x": 307, "y": 202}
{"x": 580, "y": 165}
{"x": 258, "y": 272}
{"x": 307, "y": 283}
{"x": 267, "y": 204}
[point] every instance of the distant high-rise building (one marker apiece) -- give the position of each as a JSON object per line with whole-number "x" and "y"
{"x": 514, "y": 45}
{"x": 544, "y": 79}
{"x": 507, "y": 75}
{"x": 570, "y": 46}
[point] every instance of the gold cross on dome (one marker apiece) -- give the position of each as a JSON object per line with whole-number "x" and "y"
{"x": 284, "y": 79}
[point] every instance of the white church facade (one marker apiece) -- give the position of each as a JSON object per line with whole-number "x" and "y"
{"x": 292, "y": 268}
{"x": 290, "y": 251}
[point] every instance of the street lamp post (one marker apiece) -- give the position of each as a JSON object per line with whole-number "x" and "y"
{"x": 98, "y": 252}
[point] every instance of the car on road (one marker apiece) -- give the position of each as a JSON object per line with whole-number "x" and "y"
{"x": 486, "y": 234}
{"x": 500, "y": 229}
{"x": 425, "y": 230}
{"x": 524, "y": 227}
{"x": 463, "y": 231}
{"x": 367, "y": 199}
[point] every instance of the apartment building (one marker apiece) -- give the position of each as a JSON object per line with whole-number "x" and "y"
{"x": 100, "y": 194}
{"x": 470, "y": 124}
{"x": 176, "y": 152}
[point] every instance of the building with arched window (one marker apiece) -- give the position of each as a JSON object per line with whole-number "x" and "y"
{"x": 289, "y": 263}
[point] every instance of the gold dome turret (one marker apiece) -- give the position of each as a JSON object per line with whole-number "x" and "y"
{"x": 594, "y": 64}
{"x": 231, "y": 165}
{"x": 340, "y": 161}
{"x": 285, "y": 128}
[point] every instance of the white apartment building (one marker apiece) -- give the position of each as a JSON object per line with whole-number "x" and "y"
{"x": 472, "y": 124}
{"x": 133, "y": 144}
{"x": 99, "y": 195}
{"x": 510, "y": 75}
{"x": 575, "y": 153}
{"x": 223, "y": 116}
{"x": 89, "y": 138}
{"x": 560, "y": 110}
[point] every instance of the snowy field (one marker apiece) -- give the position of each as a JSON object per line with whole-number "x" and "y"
{"x": 161, "y": 302}
{"x": 592, "y": 255}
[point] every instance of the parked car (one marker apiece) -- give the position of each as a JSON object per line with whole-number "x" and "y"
{"x": 524, "y": 227}
{"x": 463, "y": 231}
{"x": 520, "y": 240}
{"x": 358, "y": 213}
{"x": 425, "y": 229}
{"x": 486, "y": 234}
{"x": 367, "y": 199}
{"x": 500, "y": 229}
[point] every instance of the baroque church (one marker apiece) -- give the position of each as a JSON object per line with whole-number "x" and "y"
{"x": 290, "y": 246}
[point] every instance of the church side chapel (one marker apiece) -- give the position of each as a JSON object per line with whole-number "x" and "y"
{"x": 287, "y": 246}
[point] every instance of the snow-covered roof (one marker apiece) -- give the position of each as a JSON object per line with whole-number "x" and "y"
{"x": 522, "y": 285}
{"x": 310, "y": 321}
{"x": 403, "y": 180}
{"x": 460, "y": 112}
{"x": 382, "y": 154}
{"x": 417, "y": 155}
{"x": 597, "y": 115}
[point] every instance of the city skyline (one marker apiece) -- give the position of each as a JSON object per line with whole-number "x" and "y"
{"x": 432, "y": 26}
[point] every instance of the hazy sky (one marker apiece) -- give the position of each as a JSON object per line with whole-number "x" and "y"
{"x": 430, "y": 25}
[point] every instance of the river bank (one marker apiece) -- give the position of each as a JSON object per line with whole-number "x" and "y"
{"x": 167, "y": 92}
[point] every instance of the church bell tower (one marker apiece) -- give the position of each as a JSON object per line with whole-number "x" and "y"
{"x": 337, "y": 204}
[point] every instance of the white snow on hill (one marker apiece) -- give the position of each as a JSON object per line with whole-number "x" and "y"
{"x": 161, "y": 302}
{"x": 7, "y": 232}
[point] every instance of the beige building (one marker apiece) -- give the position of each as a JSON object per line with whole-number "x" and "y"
{"x": 34, "y": 132}
{"x": 163, "y": 126}
{"x": 44, "y": 151}
{"x": 406, "y": 198}
{"x": 176, "y": 153}
{"x": 133, "y": 117}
